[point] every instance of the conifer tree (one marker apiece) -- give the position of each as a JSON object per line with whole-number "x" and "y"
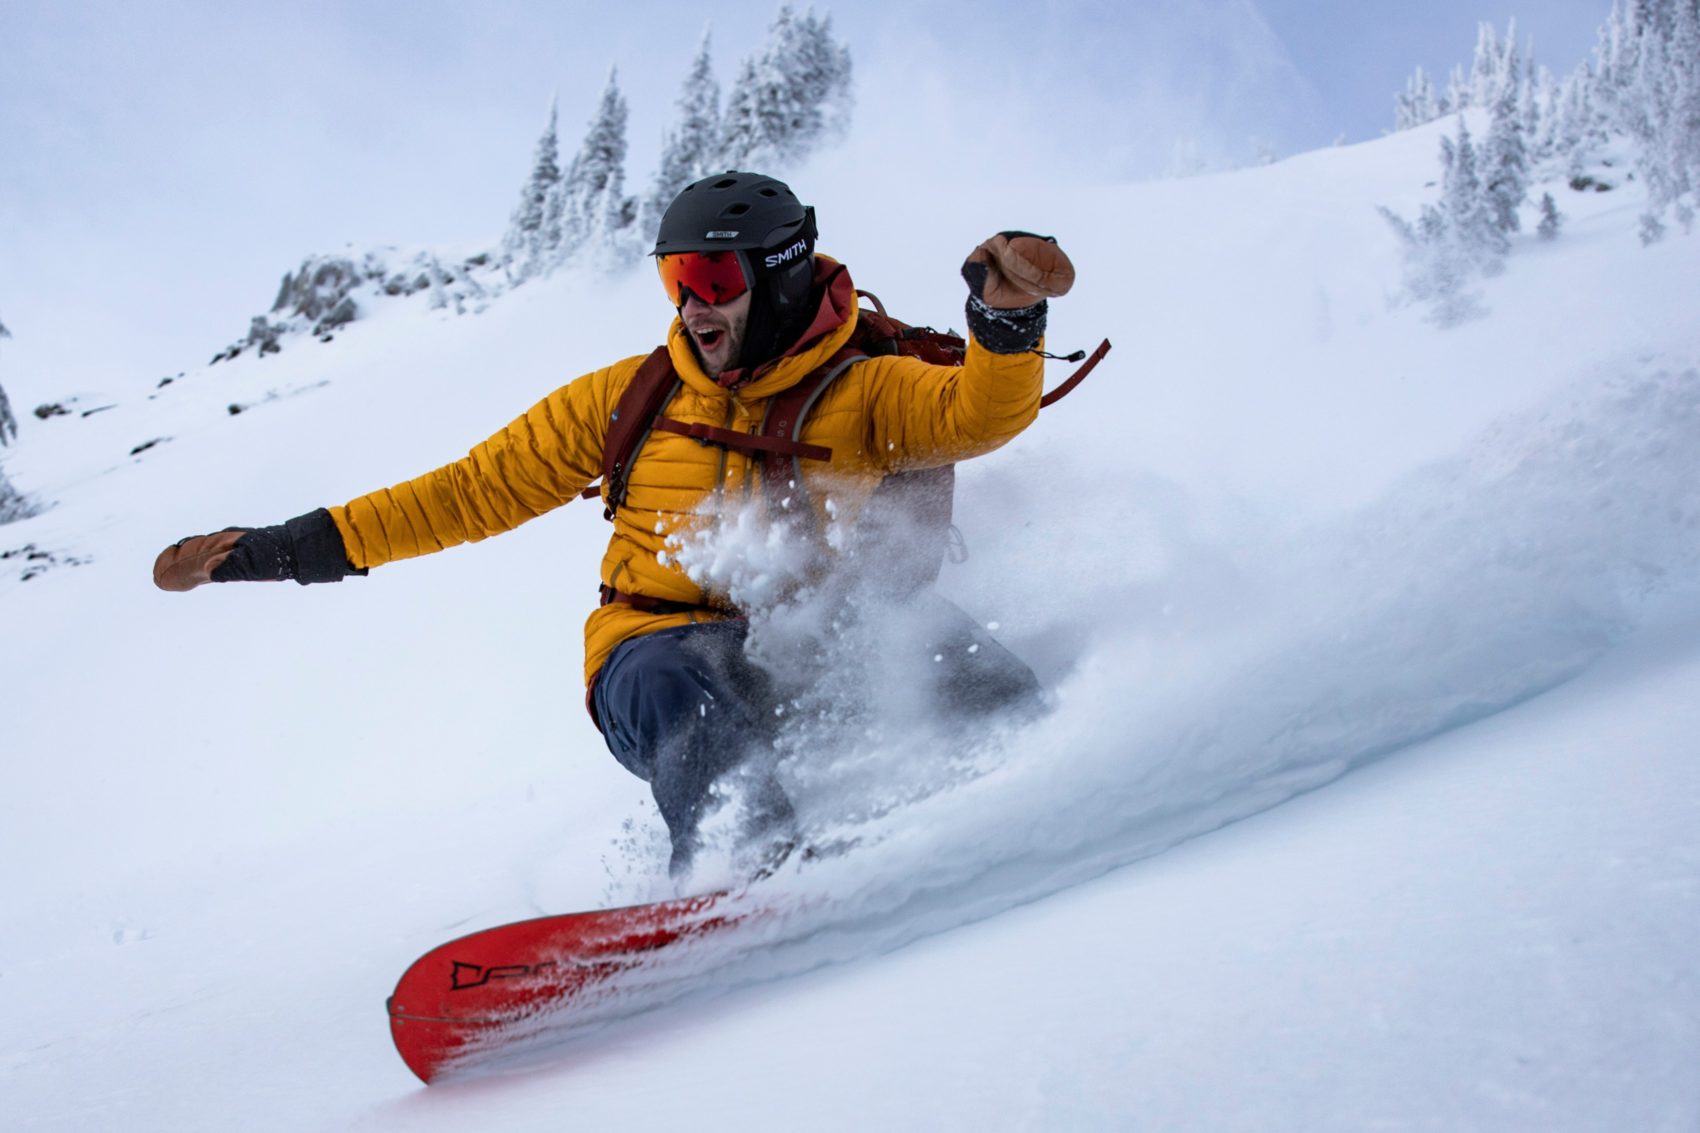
{"x": 1619, "y": 51}
{"x": 1486, "y": 68}
{"x": 1577, "y": 129}
{"x": 1622, "y": 71}
{"x": 1529, "y": 96}
{"x": 1457, "y": 92}
{"x": 534, "y": 233}
{"x": 597, "y": 216}
{"x": 8, "y": 423}
{"x": 1504, "y": 156}
{"x": 1417, "y": 106}
{"x": 1669, "y": 90}
{"x": 691, "y": 146}
{"x": 782, "y": 109}
{"x": 821, "y": 74}
{"x": 1542, "y": 120}
{"x": 791, "y": 97}
{"x": 1647, "y": 87}
{"x": 1470, "y": 218}
{"x": 743, "y": 141}
{"x": 1643, "y": 84}
{"x": 1685, "y": 109}
{"x": 1453, "y": 240}
{"x": 12, "y": 504}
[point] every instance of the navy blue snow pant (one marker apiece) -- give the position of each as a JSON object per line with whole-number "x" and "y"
{"x": 682, "y": 707}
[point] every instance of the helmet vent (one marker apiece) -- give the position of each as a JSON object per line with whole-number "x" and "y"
{"x": 733, "y": 209}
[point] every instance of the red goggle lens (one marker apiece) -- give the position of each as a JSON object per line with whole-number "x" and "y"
{"x": 713, "y": 277}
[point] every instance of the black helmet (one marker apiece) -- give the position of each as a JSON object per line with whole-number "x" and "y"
{"x": 760, "y": 218}
{"x": 743, "y": 211}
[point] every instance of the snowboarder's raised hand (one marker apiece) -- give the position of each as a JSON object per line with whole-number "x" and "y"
{"x": 307, "y": 549}
{"x": 1018, "y": 269}
{"x": 1010, "y": 277}
{"x": 189, "y": 562}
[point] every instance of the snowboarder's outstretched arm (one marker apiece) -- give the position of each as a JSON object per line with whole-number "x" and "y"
{"x": 307, "y": 549}
{"x": 538, "y": 462}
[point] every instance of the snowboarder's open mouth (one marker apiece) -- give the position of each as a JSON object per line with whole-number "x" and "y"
{"x": 707, "y": 337}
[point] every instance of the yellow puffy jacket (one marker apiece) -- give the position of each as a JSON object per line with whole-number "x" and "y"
{"x": 883, "y": 415}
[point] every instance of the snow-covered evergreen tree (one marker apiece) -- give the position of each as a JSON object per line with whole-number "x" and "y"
{"x": 1667, "y": 89}
{"x": 1643, "y": 85}
{"x": 8, "y": 423}
{"x": 1541, "y": 114}
{"x": 690, "y": 148}
{"x": 822, "y": 75}
{"x": 1684, "y": 122}
{"x": 597, "y": 217}
{"x": 1488, "y": 68}
{"x": 534, "y": 233}
{"x": 1551, "y": 218}
{"x": 1529, "y": 104}
{"x": 1504, "y": 154}
{"x": 743, "y": 140}
{"x": 1647, "y": 86}
{"x": 1579, "y": 127}
{"x": 790, "y": 98}
{"x": 1454, "y": 240}
{"x": 1470, "y": 214}
{"x": 1417, "y": 105}
{"x": 1619, "y": 55}
{"x": 13, "y": 505}
{"x": 1457, "y": 92}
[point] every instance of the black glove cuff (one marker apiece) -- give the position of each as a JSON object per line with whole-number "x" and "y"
{"x": 307, "y": 548}
{"x": 1000, "y": 330}
{"x": 319, "y": 553}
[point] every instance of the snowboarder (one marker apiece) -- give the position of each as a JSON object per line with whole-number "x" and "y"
{"x": 669, "y": 683}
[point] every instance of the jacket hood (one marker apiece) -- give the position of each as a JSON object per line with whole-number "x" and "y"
{"x": 834, "y": 321}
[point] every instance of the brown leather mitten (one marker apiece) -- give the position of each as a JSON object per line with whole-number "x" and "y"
{"x": 187, "y": 564}
{"x": 1021, "y": 269}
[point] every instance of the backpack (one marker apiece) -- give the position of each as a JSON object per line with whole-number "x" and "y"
{"x": 917, "y": 501}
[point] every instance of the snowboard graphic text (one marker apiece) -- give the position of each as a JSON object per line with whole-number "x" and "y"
{"x": 464, "y": 976}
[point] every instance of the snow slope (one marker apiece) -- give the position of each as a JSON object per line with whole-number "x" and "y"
{"x": 1286, "y": 533}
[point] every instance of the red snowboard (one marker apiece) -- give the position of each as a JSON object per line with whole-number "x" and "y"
{"x": 474, "y": 995}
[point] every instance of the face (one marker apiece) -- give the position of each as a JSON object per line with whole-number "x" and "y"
{"x": 717, "y": 330}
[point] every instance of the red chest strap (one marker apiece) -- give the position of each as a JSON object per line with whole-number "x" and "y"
{"x": 751, "y": 443}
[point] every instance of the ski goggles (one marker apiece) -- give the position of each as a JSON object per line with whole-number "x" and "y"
{"x": 713, "y": 277}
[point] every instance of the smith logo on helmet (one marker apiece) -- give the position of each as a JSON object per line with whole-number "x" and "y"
{"x": 790, "y": 253}
{"x": 720, "y": 234}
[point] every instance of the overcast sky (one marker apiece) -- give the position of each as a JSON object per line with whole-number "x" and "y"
{"x": 162, "y": 164}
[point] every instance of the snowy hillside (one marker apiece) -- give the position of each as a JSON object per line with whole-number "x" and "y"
{"x": 1288, "y": 537}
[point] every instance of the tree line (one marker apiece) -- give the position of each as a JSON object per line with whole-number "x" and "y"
{"x": 1643, "y": 85}
{"x": 788, "y": 99}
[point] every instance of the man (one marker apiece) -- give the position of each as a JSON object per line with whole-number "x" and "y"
{"x": 673, "y": 689}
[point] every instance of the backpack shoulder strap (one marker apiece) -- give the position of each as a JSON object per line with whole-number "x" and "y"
{"x": 629, "y": 425}
{"x": 782, "y": 469}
